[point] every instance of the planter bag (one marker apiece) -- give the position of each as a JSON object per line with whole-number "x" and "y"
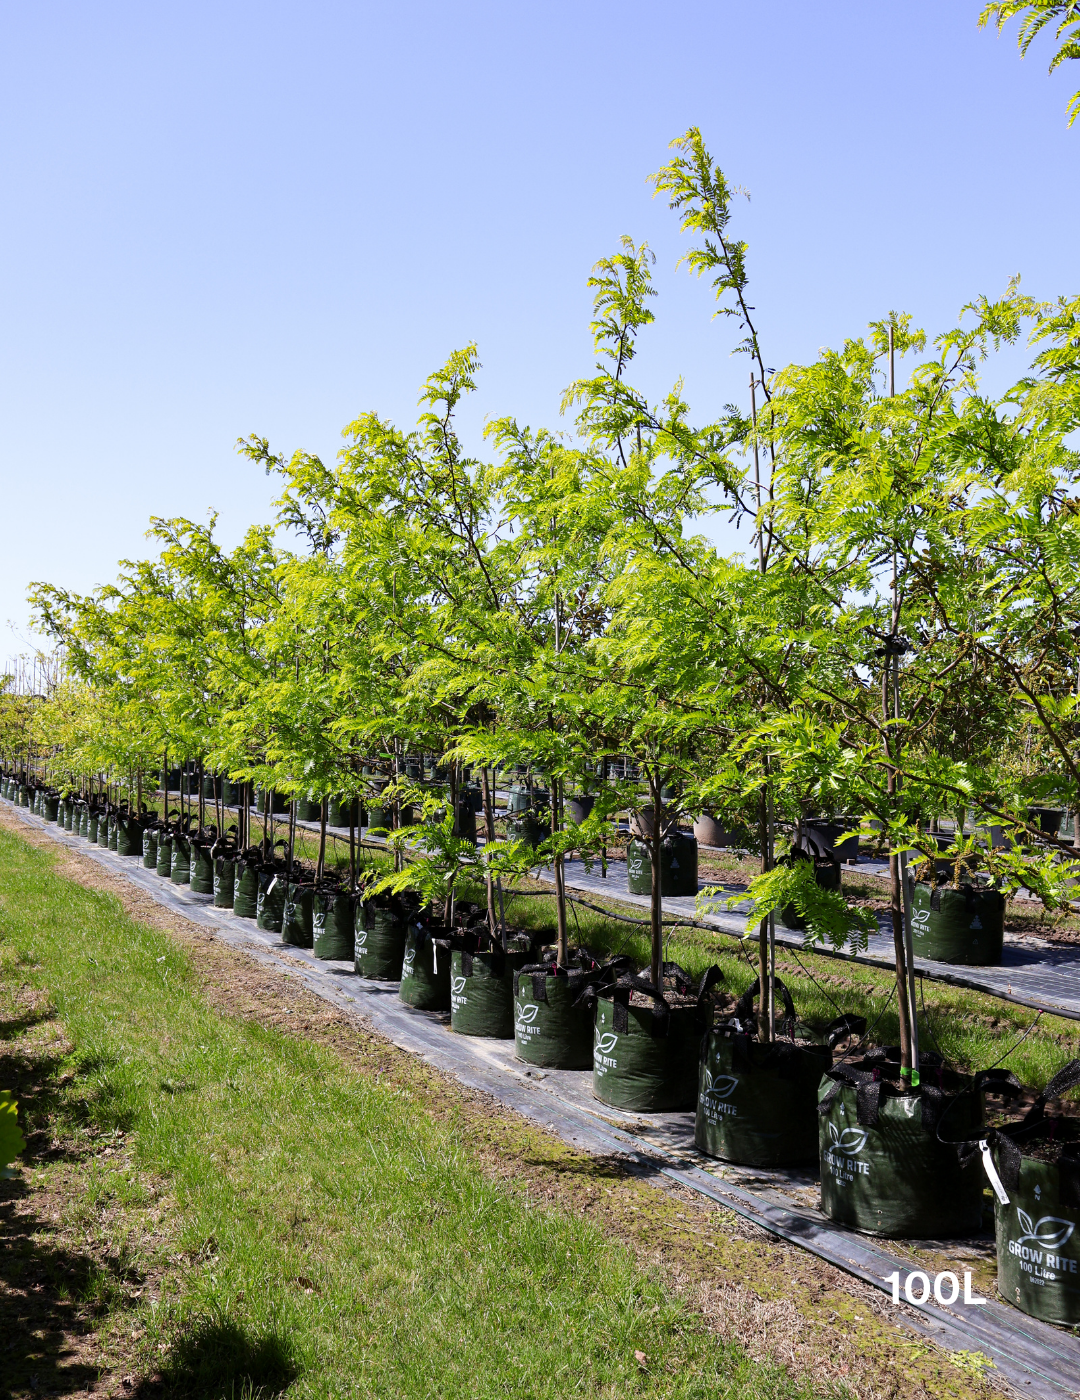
{"x": 224, "y": 881}
{"x": 92, "y": 822}
{"x": 757, "y": 1103}
{"x": 645, "y": 1058}
{"x": 678, "y": 865}
{"x": 180, "y": 873}
{"x": 129, "y": 836}
{"x": 105, "y": 820}
{"x": 149, "y": 847}
{"x": 332, "y": 926}
{"x": 297, "y": 915}
{"x": 71, "y": 816}
{"x": 482, "y": 987}
{"x": 1037, "y": 1224}
{"x": 308, "y": 811}
{"x": 270, "y": 905}
{"x": 164, "y": 853}
{"x": 964, "y": 926}
{"x": 246, "y": 889}
{"x": 826, "y": 876}
{"x": 381, "y": 930}
{"x": 889, "y": 1159}
{"x": 114, "y": 831}
{"x": 231, "y": 793}
{"x": 50, "y": 807}
{"x": 553, "y": 1026}
{"x": 425, "y": 972}
{"x": 337, "y": 813}
{"x": 202, "y": 868}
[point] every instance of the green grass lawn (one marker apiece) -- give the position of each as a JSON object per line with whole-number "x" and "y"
{"x": 304, "y": 1228}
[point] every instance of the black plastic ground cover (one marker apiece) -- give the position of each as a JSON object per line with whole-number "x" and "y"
{"x": 1034, "y": 1358}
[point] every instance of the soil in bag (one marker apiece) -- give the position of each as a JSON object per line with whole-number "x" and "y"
{"x": 425, "y": 969}
{"x": 332, "y": 924}
{"x": 646, "y": 1043}
{"x": 890, "y": 1164}
{"x": 482, "y": 982}
{"x": 964, "y": 926}
{"x": 382, "y": 926}
{"x": 1037, "y": 1225}
{"x": 298, "y": 915}
{"x": 553, "y": 1020}
{"x": 757, "y": 1101}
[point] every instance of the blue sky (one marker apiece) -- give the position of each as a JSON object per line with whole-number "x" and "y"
{"x": 234, "y": 218}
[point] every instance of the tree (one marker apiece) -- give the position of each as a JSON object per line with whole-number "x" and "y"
{"x": 1035, "y": 15}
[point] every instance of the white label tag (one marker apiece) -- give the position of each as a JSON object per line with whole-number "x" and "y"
{"x": 991, "y": 1172}
{"x": 270, "y": 886}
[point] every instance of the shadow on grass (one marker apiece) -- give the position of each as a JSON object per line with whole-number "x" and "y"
{"x": 215, "y": 1358}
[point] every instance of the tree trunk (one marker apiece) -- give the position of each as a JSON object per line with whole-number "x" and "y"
{"x": 563, "y": 954}
{"x": 896, "y": 902}
{"x": 489, "y": 825}
{"x": 321, "y": 866}
{"x": 656, "y": 913}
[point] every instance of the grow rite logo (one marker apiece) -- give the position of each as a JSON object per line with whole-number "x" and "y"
{"x": 602, "y": 1048}
{"x": 407, "y": 962}
{"x": 457, "y": 991}
{"x": 840, "y": 1156}
{"x": 1036, "y": 1250}
{"x": 525, "y": 1025}
{"x": 717, "y": 1089}
{"x": 361, "y": 940}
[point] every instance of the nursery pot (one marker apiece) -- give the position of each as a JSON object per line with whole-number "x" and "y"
{"x": 71, "y": 813}
{"x": 827, "y": 876}
{"x": 337, "y": 812}
{"x": 92, "y": 821}
{"x": 580, "y": 807}
{"x": 709, "y": 832}
{"x": 164, "y": 853}
{"x": 1048, "y": 819}
{"x": 202, "y": 869}
{"x": 332, "y": 925}
{"x": 297, "y": 916}
{"x": 149, "y": 847}
{"x": 270, "y": 902}
{"x": 224, "y": 881}
{"x": 482, "y": 989}
{"x": 425, "y": 972}
{"x": 209, "y": 787}
{"x": 645, "y": 1057}
{"x": 889, "y": 1161}
{"x": 550, "y": 1030}
{"x": 678, "y": 865}
{"x": 106, "y": 822}
{"x": 180, "y": 873}
{"x": 128, "y": 836}
{"x": 231, "y": 793}
{"x": 532, "y": 827}
{"x": 964, "y": 926}
{"x": 381, "y": 930}
{"x": 246, "y": 889}
{"x": 308, "y": 811}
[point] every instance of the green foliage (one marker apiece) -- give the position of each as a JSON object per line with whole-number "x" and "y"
{"x": 1035, "y": 16}
{"x": 12, "y": 1141}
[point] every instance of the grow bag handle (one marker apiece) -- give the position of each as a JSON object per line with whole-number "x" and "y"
{"x": 744, "y": 1007}
{"x": 842, "y": 1028}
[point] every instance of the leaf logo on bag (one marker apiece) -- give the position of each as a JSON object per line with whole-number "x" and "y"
{"x": 526, "y": 1015}
{"x": 1043, "y": 1231}
{"x": 850, "y": 1142}
{"x": 407, "y": 963}
{"x": 607, "y": 1043}
{"x": 722, "y": 1087}
{"x": 457, "y": 985}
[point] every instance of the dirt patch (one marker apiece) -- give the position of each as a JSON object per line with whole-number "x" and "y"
{"x": 779, "y": 1302}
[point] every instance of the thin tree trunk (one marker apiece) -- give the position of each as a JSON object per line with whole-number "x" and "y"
{"x": 321, "y": 865}
{"x": 656, "y": 914}
{"x": 563, "y": 954}
{"x": 489, "y": 826}
{"x": 896, "y": 906}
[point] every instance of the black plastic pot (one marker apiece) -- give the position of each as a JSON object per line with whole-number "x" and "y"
{"x": 232, "y": 794}
{"x": 889, "y": 1161}
{"x": 270, "y": 902}
{"x": 964, "y": 926}
{"x": 553, "y": 1025}
{"x": 579, "y": 807}
{"x": 482, "y": 987}
{"x": 1048, "y": 819}
{"x": 381, "y": 930}
{"x": 678, "y": 865}
{"x": 425, "y": 972}
{"x": 332, "y": 925}
{"x": 297, "y": 918}
{"x": 827, "y": 876}
{"x": 224, "y": 881}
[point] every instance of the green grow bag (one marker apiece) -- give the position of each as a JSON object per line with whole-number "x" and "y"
{"x": 224, "y": 881}
{"x": 425, "y": 972}
{"x": 180, "y": 872}
{"x": 128, "y": 836}
{"x": 643, "y": 1061}
{"x": 380, "y": 941}
{"x": 549, "y": 1030}
{"x": 92, "y": 822}
{"x": 50, "y": 807}
{"x": 482, "y": 989}
{"x": 209, "y": 787}
{"x": 298, "y": 915}
{"x": 231, "y": 793}
{"x": 202, "y": 869}
{"x": 678, "y": 865}
{"x": 114, "y": 832}
{"x": 149, "y": 847}
{"x": 246, "y": 890}
{"x": 270, "y": 904}
{"x": 71, "y": 813}
{"x": 757, "y": 1104}
{"x": 164, "y": 854}
{"x": 884, "y": 1168}
{"x": 964, "y": 926}
{"x": 378, "y": 816}
{"x": 1038, "y": 1243}
{"x": 532, "y": 827}
{"x": 104, "y": 828}
{"x": 332, "y": 926}
{"x": 337, "y": 813}
{"x": 308, "y": 811}
{"x": 279, "y": 805}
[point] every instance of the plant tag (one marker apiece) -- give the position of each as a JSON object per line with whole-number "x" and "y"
{"x": 991, "y": 1172}
{"x": 270, "y": 886}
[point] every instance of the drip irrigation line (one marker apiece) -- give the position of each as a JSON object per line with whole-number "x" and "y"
{"x": 816, "y": 983}
{"x": 1015, "y": 1043}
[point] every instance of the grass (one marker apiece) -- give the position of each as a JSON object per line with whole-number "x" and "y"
{"x": 312, "y": 1232}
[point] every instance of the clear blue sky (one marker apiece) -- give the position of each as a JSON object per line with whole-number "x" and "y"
{"x": 233, "y": 218}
